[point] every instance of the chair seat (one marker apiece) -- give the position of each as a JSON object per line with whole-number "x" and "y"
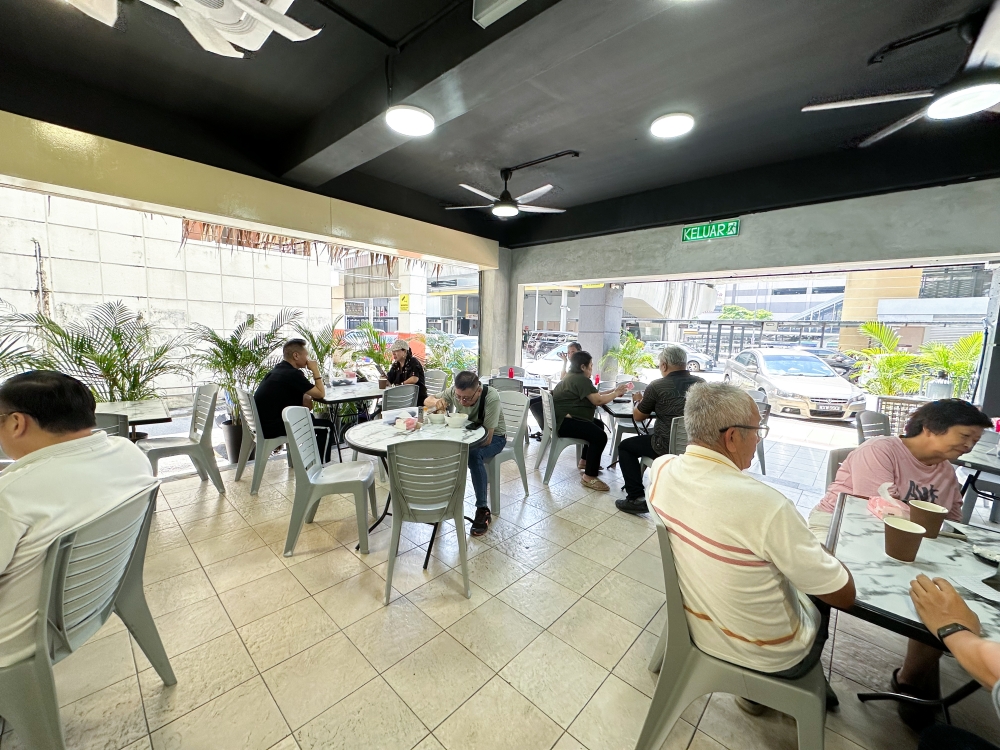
{"x": 158, "y": 443}
{"x": 351, "y": 471}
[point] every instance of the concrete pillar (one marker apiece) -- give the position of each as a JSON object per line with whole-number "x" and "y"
{"x": 496, "y": 331}
{"x": 413, "y": 284}
{"x": 563, "y": 309}
{"x": 338, "y": 306}
{"x": 600, "y": 324}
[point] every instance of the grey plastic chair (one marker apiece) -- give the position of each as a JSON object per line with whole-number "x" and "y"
{"x": 871, "y": 424}
{"x": 427, "y": 485}
{"x": 400, "y": 397}
{"x": 765, "y": 414}
{"x": 314, "y": 481}
{"x": 435, "y": 381}
{"x": 759, "y": 396}
{"x": 551, "y": 440}
{"x": 518, "y": 371}
{"x": 620, "y": 427}
{"x": 678, "y": 443}
{"x": 197, "y": 445}
{"x": 836, "y": 458}
{"x": 113, "y": 424}
{"x": 515, "y": 417}
{"x": 88, "y": 574}
{"x": 687, "y": 673}
{"x": 987, "y": 486}
{"x": 254, "y": 441}
{"x": 507, "y": 384}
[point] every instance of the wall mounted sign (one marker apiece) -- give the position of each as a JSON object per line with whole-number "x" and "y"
{"x": 592, "y": 286}
{"x": 712, "y": 230}
{"x": 404, "y": 303}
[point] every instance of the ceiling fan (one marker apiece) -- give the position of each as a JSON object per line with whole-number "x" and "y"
{"x": 505, "y": 206}
{"x": 975, "y": 89}
{"x": 219, "y": 26}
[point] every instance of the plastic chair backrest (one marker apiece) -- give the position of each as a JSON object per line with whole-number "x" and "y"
{"x": 515, "y": 414}
{"x": 84, "y": 570}
{"x": 202, "y": 412}
{"x": 400, "y": 397}
{"x": 989, "y": 440}
{"x": 549, "y": 412}
{"x": 113, "y": 424}
{"x": 248, "y": 410}
{"x": 507, "y": 384}
{"x": 837, "y": 457}
{"x": 301, "y": 442}
{"x": 427, "y": 478}
{"x": 872, "y": 424}
{"x": 435, "y": 380}
{"x": 759, "y": 396}
{"x": 678, "y": 436}
{"x": 518, "y": 371}
{"x": 678, "y": 634}
{"x": 765, "y": 412}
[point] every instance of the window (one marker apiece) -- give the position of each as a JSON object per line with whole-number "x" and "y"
{"x": 955, "y": 281}
{"x": 828, "y": 290}
{"x": 743, "y": 358}
{"x": 789, "y": 290}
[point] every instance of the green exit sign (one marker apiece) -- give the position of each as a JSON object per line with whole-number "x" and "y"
{"x": 711, "y": 231}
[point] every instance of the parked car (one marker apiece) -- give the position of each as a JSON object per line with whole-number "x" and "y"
{"x": 542, "y": 342}
{"x": 797, "y": 383}
{"x": 840, "y": 362}
{"x": 696, "y": 360}
{"x": 549, "y": 365}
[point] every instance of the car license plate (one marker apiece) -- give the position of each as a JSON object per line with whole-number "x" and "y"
{"x": 830, "y": 407}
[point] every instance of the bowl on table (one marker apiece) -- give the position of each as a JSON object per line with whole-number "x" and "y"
{"x": 456, "y": 420}
{"x": 435, "y": 418}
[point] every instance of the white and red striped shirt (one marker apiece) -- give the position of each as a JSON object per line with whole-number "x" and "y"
{"x": 745, "y": 560}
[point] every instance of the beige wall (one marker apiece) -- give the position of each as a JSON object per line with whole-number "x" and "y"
{"x": 56, "y": 160}
{"x": 863, "y": 291}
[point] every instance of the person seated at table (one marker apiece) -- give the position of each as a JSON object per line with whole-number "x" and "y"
{"x": 665, "y": 398}
{"x": 574, "y": 400}
{"x": 286, "y": 385}
{"x": 757, "y": 585}
{"x": 535, "y": 402}
{"x": 64, "y": 475}
{"x": 482, "y": 405}
{"x": 406, "y": 369}
{"x": 949, "y": 618}
{"x": 917, "y": 467}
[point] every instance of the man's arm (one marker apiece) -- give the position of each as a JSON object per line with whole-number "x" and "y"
{"x": 646, "y": 406}
{"x": 842, "y": 598}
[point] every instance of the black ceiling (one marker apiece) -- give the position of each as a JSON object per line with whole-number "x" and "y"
{"x": 588, "y": 75}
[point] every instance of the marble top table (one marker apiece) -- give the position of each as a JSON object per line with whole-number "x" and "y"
{"x": 620, "y": 409}
{"x": 338, "y": 394}
{"x": 883, "y": 584}
{"x": 149, "y": 411}
{"x": 374, "y": 438}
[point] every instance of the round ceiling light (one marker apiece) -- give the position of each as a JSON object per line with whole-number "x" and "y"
{"x": 965, "y": 101}
{"x": 505, "y": 210}
{"x": 408, "y": 120}
{"x": 672, "y": 126}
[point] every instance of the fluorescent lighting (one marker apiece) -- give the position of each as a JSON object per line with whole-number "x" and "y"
{"x": 505, "y": 210}
{"x": 409, "y": 120}
{"x": 672, "y": 126}
{"x": 965, "y": 101}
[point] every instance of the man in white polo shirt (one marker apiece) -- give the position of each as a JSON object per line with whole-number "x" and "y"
{"x": 745, "y": 557}
{"x": 62, "y": 477}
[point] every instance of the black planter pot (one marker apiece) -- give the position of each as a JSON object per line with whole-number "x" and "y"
{"x": 232, "y": 435}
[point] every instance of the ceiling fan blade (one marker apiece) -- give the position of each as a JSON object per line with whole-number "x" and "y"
{"x": 866, "y": 100}
{"x": 478, "y": 192}
{"x": 533, "y": 195}
{"x": 105, "y": 11}
{"x": 896, "y": 126}
{"x": 540, "y": 209}
{"x": 459, "y": 208}
{"x": 205, "y": 33}
{"x": 287, "y": 27}
{"x": 986, "y": 51}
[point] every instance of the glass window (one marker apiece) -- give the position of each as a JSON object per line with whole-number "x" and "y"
{"x": 798, "y": 364}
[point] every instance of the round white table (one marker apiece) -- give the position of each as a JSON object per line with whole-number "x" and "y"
{"x": 374, "y": 438}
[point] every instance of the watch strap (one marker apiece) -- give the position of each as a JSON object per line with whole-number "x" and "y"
{"x": 944, "y": 632}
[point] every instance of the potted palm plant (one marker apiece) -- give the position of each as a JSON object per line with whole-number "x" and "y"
{"x": 374, "y": 346}
{"x": 630, "y": 355}
{"x": 240, "y": 360}
{"x": 328, "y": 346}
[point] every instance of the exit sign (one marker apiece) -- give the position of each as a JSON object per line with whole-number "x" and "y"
{"x": 711, "y": 231}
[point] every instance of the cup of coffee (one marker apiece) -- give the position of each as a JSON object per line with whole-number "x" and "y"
{"x": 383, "y": 383}
{"x": 902, "y": 538}
{"x": 928, "y": 515}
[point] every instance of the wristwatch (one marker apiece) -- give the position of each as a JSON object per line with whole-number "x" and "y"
{"x": 951, "y": 629}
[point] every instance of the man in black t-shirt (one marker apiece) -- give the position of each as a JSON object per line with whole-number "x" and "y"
{"x": 286, "y": 385}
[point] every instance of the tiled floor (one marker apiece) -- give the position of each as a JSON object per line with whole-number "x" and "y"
{"x": 550, "y": 651}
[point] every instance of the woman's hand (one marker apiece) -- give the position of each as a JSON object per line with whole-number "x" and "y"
{"x": 938, "y": 604}
{"x": 621, "y": 390}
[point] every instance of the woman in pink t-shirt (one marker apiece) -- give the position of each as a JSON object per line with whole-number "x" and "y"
{"x": 917, "y": 467}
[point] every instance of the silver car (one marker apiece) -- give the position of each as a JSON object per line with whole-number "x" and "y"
{"x": 797, "y": 384}
{"x": 697, "y": 361}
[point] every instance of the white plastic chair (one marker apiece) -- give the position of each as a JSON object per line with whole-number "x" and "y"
{"x": 113, "y": 424}
{"x": 871, "y": 424}
{"x": 759, "y": 396}
{"x": 427, "y": 485}
{"x": 765, "y": 414}
{"x": 507, "y": 384}
{"x": 836, "y": 458}
{"x": 197, "y": 445}
{"x": 505, "y": 370}
{"x": 620, "y": 427}
{"x": 515, "y": 417}
{"x": 687, "y": 673}
{"x": 435, "y": 380}
{"x": 552, "y": 441}
{"x": 313, "y": 481}
{"x": 88, "y": 574}
{"x": 987, "y": 485}
{"x": 254, "y": 441}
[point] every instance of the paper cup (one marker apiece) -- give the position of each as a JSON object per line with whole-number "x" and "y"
{"x": 928, "y": 515}
{"x": 902, "y": 538}
{"x": 383, "y": 383}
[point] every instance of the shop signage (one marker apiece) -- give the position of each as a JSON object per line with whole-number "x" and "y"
{"x": 404, "y": 303}
{"x": 593, "y": 286}
{"x": 711, "y": 231}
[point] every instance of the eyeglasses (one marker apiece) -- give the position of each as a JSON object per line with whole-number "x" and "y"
{"x": 761, "y": 430}
{"x": 467, "y": 399}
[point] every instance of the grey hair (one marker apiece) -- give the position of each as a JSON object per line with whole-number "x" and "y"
{"x": 673, "y": 356}
{"x": 710, "y": 407}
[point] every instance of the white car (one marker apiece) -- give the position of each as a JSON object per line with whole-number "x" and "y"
{"x": 696, "y": 360}
{"x": 797, "y": 384}
{"x": 547, "y": 366}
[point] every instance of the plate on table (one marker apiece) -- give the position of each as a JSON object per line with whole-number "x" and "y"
{"x": 988, "y": 555}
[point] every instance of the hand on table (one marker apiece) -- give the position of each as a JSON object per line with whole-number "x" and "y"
{"x": 938, "y": 604}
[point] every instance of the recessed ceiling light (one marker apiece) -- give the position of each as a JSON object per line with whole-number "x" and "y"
{"x": 672, "y": 126}
{"x": 409, "y": 120}
{"x": 505, "y": 210}
{"x": 965, "y": 101}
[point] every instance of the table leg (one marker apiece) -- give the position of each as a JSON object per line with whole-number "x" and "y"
{"x": 949, "y": 700}
{"x": 969, "y": 497}
{"x": 385, "y": 512}
{"x": 336, "y": 430}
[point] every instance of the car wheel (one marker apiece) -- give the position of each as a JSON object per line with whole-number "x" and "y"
{"x": 694, "y": 366}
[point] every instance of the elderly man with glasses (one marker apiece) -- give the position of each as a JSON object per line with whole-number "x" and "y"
{"x": 482, "y": 405}
{"x": 757, "y": 584}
